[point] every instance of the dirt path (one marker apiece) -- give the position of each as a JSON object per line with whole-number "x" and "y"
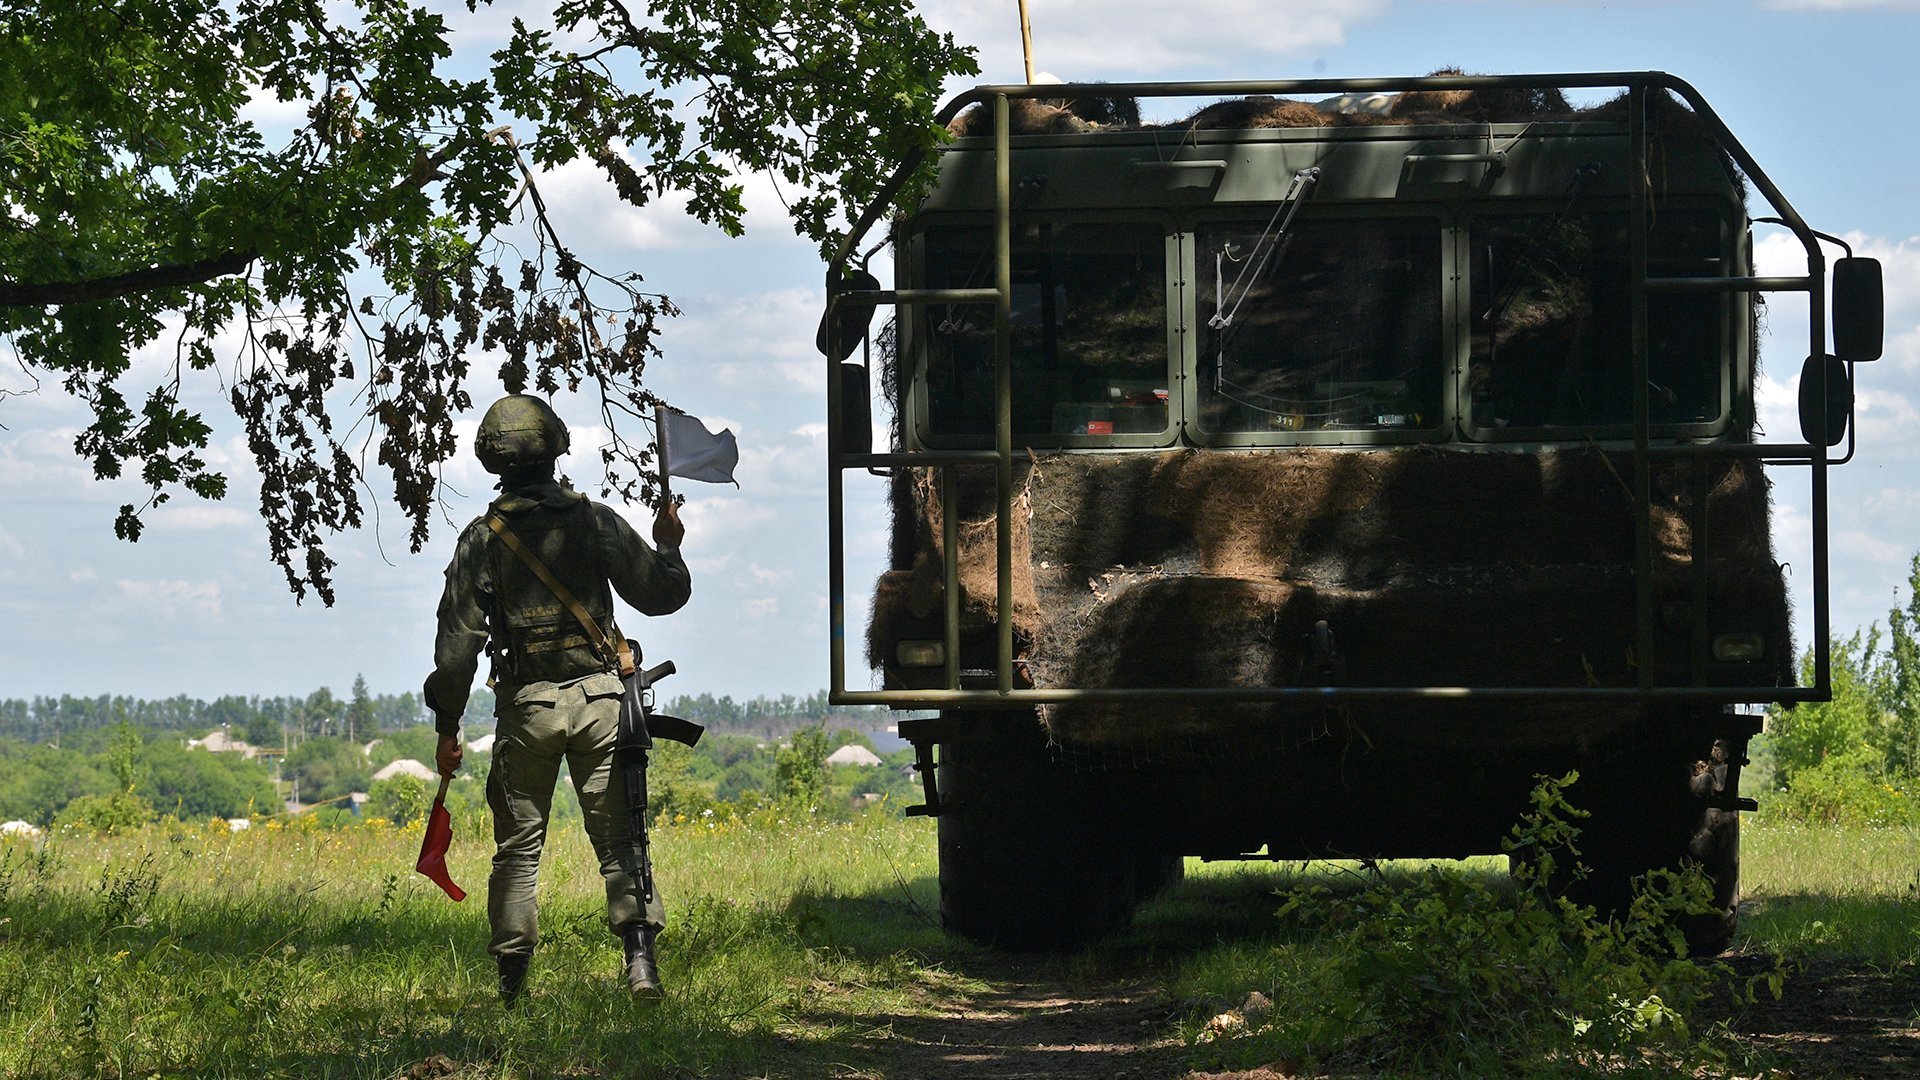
{"x": 1841, "y": 1021}
{"x": 1036, "y": 1020}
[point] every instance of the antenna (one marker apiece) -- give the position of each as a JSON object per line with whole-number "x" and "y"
{"x": 1026, "y": 41}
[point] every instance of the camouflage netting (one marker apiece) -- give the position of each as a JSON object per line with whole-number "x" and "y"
{"x": 1040, "y": 116}
{"x": 1431, "y": 567}
{"x": 1666, "y": 116}
{"x": 1476, "y": 567}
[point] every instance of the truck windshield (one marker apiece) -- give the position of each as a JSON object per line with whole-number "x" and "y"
{"x": 1552, "y": 322}
{"x": 1342, "y": 333}
{"x": 1089, "y": 330}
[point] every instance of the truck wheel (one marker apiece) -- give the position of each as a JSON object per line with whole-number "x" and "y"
{"x": 1154, "y": 873}
{"x": 1656, "y": 816}
{"x": 1025, "y": 862}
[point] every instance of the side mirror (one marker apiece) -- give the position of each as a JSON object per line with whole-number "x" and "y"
{"x": 1859, "y": 309}
{"x": 856, "y": 410}
{"x": 1824, "y": 421}
{"x": 850, "y": 320}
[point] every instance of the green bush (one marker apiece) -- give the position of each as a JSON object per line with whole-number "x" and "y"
{"x": 800, "y": 768}
{"x": 399, "y": 799}
{"x": 1451, "y": 974}
{"x": 1845, "y": 789}
{"x": 111, "y": 813}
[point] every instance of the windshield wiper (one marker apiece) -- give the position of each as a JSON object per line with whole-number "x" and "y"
{"x": 1272, "y": 245}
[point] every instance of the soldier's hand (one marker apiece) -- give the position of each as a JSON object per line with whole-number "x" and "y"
{"x": 667, "y": 530}
{"x": 449, "y": 754}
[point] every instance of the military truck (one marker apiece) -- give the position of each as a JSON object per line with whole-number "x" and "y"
{"x": 1307, "y": 477}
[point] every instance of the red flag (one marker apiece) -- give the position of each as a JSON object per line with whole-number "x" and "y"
{"x": 433, "y": 846}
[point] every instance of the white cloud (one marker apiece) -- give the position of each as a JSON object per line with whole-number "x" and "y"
{"x": 170, "y": 599}
{"x": 1892, "y": 501}
{"x": 200, "y": 517}
{"x": 588, "y": 211}
{"x": 1886, "y": 390}
{"x": 716, "y": 522}
{"x": 86, "y": 575}
{"x": 1113, "y": 39}
{"x": 1852, "y": 544}
{"x": 752, "y": 344}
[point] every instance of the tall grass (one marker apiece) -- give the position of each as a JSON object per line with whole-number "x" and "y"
{"x": 301, "y": 952}
{"x": 308, "y": 953}
{"x": 1831, "y": 892}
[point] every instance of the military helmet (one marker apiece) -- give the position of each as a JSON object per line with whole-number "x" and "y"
{"x": 519, "y": 429}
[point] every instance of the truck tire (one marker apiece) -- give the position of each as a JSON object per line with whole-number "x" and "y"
{"x": 1652, "y": 812}
{"x": 1155, "y": 873}
{"x": 1027, "y": 861}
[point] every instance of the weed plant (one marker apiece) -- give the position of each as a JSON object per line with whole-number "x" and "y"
{"x": 1442, "y": 971}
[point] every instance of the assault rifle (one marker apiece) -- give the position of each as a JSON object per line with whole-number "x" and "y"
{"x": 639, "y": 726}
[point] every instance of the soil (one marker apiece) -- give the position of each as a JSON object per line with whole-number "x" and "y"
{"x": 1836, "y": 1020}
{"x": 1039, "y": 1019}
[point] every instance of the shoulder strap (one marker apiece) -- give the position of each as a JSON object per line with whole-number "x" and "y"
{"x": 621, "y": 653}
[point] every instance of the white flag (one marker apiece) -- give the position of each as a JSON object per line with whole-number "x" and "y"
{"x": 696, "y": 453}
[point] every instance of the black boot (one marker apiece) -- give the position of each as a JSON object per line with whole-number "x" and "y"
{"x": 643, "y": 976}
{"x": 513, "y": 976}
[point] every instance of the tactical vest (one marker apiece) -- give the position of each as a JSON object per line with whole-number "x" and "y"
{"x": 535, "y": 638}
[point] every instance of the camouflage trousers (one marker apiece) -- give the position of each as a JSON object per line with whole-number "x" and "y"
{"x": 542, "y": 724}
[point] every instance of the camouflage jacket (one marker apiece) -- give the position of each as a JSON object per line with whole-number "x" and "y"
{"x": 491, "y": 597}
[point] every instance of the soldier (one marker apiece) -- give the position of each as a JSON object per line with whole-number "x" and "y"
{"x": 557, "y": 695}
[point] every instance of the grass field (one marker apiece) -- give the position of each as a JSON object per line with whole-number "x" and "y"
{"x": 277, "y": 951}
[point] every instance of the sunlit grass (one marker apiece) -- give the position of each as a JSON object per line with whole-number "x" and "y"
{"x": 1836, "y": 892}
{"x": 298, "y": 952}
{"x": 301, "y": 953}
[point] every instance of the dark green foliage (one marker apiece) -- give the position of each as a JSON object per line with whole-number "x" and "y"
{"x": 1445, "y": 973}
{"x": 777, "y": 718}
{"x": 362, "y": 721}
{"x": 192, "y": 784}
{"x": 145, "y": 202}
{"x": 260, "y": 721}
{"x": 327, "y": 768}
{"x": 418, "y": 743}
{"x": 37, "y": 782}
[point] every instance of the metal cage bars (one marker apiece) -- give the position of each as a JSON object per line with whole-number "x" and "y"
{"x": 1639, "y": 85}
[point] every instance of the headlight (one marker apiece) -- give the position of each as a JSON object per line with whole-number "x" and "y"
{"x": 920, "y": 653}
{"x": 1732, "y": 648}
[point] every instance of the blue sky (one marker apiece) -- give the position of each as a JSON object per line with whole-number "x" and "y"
{"x": 1810, "y": 86}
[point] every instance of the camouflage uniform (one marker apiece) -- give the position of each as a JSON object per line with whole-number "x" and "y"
{"x": 556, "y": 696}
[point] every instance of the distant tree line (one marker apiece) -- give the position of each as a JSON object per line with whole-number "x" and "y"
{"x": 776, "y": 717}
{"x": 116, "y": 776}
{"x": 283, "y": 722}
{"x": 273, "y": 723}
